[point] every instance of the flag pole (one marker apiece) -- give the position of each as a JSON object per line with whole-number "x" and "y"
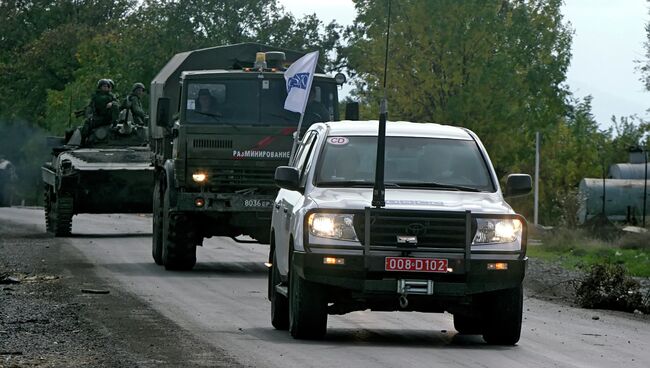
{"x": 296, "y": 136}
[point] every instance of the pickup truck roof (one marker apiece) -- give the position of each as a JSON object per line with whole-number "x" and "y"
{"x": 397, "y": 129}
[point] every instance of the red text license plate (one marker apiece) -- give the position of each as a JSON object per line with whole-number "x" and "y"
{"x": 410, "y": 264}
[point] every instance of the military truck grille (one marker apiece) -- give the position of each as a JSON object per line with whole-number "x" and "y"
{"x": 442, "y": 230}
{"x": 243, "y": 178}
{"x": 211, "y": 143}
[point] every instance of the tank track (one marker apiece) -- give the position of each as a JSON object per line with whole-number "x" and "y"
{"x": 58, "y": 215}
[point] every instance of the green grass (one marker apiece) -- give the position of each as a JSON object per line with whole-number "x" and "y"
{"x": 575, "y": 249}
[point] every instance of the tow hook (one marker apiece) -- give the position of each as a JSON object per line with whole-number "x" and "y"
{"x": 415, "y": 287}
{"x": 403, "y": 301}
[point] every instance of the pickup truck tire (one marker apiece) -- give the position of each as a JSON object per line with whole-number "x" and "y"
{"x": 503, "y": 316}
{"x": 178, "y": 250}
{"x": 468, "y": 325}
{"x": 157, "y": 232}
{"x": 307, "y": 309}
{"x": 279, "y": 303}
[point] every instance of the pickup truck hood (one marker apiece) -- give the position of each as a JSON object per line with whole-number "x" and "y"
{"x": 439, "y": 200}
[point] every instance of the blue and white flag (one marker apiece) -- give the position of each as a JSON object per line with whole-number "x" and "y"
{"x": 299, "y": 77}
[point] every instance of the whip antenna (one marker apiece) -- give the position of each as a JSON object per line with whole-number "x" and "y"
{"x": 379, "y": 190}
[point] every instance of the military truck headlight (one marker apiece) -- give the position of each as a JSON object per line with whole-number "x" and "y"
{"x": 332, "y": 226}
{"x": 497, "y": 231}
{"x": 199, "y": 177}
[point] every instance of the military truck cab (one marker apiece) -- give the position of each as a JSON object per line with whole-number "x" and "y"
{"x": 219, "y": 130}
{"x": 445, "y": 241}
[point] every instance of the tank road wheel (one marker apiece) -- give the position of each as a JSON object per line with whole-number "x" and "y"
{"x": 59, "y": 213}
{"x": 157, "y": 233}
{"x": 279, "y": 303}
{"x": 307, "y": 308}
{"x": 503, "y": 316}
{"x": 178, "y": 248}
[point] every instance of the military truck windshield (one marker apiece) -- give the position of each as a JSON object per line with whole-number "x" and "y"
{"x": 411, "y": 162}
{"x": 255, "y": 102}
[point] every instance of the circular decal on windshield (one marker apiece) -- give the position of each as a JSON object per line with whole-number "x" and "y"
{"x": 339, "y": 141}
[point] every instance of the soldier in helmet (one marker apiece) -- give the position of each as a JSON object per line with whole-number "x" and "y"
{"x": 133, "y": 103}
{"x": 103, "y": 108}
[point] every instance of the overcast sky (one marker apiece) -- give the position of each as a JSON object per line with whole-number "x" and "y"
{"x": 609, "y": 36}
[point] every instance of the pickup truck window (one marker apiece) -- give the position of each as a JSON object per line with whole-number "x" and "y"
{"x": 255, "y": 102}
{"x": 411, "y": 162}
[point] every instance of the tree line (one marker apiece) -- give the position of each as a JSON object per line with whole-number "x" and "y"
{"x": 497, "y": 67}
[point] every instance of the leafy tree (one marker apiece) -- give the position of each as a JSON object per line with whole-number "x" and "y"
{"x": 495, "y": 66}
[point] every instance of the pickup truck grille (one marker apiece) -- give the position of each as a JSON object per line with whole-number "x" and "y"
{"x": 440, "y": 230}
{"x": 242, "y": 178}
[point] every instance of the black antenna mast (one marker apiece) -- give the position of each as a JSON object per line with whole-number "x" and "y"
{"x": 379, "y": 190}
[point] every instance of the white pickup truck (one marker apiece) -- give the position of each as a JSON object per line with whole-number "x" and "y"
{"x": 445, "y": 241}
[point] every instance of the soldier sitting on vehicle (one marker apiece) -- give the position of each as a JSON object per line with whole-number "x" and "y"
{"x": 132, "y": 106}
{"x": 103, "y": 109}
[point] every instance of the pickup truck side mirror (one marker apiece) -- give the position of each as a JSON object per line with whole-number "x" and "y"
{"x": 287, "y": 177}
{"x": 352, "y": 111}
{"x": 518, "y": 185}
{"x": 163, "y": 113}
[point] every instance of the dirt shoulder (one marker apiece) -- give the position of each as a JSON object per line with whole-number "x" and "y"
{"x": 46, "y": 320}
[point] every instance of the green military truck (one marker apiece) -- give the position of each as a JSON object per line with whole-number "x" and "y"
{"x": 218, "y": 130}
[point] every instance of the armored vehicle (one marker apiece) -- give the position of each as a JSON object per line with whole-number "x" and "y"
{"x": 215, "y": 159}
{"x": 444, "y": 241}
{"x": 7, "y": 179}
{"x": 110, "y": 173}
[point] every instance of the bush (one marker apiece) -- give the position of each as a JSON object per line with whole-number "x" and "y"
{"x": 607, "y": 286}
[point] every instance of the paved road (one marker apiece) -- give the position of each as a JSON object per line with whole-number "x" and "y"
{"x": 223, "y": 302}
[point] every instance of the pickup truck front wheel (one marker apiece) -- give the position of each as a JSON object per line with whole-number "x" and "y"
{"x": 503, "y": 316}
{"x": 279, "y": 303}
{"x": 307, "y": 308}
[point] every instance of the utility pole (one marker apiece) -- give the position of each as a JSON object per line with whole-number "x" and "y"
{"x": 536, "y": 205}
{"x": 645, "y": 182}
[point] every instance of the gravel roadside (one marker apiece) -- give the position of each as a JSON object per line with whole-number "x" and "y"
{"x": 54, "y": 312}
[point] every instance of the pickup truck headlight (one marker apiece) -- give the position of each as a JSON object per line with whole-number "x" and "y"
{"x": 497, "y": 231}
{"x": 332, "y": 226}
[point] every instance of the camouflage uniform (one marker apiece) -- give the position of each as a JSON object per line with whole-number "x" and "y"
{"x": 103, "y": 115}
{"x": 133, "y": 103}
{"x": 97, "y": 114}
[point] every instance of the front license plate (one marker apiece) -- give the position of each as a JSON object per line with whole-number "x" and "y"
{"x": 410, "y": 264}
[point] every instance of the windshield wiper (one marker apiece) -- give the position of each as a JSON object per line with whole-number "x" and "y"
{"x": 213, "y": 115}
{"x": 432, "y": 184}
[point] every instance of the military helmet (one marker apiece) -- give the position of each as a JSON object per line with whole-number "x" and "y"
{"x": 138, "y": 85}
{"x": 103, "y": 82}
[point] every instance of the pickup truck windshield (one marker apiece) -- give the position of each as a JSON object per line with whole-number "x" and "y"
{"x": 411, "y": 162}
{"x": 255, "y": 102}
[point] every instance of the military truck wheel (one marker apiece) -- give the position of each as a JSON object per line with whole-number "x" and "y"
{"x": 279, "y": 303}
{"x": 467, "y": 325}
{"x": 60, "y": 214}
{"x": 307, "y": 308}
{"x": 178, "y": 250}
{"x": 503, "y": 316}
{"x": 157, "y": 233}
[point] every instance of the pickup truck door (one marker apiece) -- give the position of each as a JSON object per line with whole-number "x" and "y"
{"x": 285, "y": 203}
